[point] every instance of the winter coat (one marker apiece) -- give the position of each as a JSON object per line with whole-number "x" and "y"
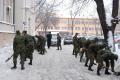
{"x": 19, "y": 44}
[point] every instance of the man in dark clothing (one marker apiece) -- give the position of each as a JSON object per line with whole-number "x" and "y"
{"x": 59, "y": 42}
{"x": 49, "y": 37}
{"x": 19, "y": 49}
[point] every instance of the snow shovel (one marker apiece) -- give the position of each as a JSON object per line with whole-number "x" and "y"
{"x": 9, "y": 58}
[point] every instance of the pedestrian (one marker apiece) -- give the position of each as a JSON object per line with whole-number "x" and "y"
{"x": 40, "y": 45}
{"x": 19, "y": 49}
{"x": 59, "y": 47}
{"x": 76, "y": 47}
{"x": 49, "y": 37}
{"x": 92, "y": 52}
{"x": 108, "y": 57}
{"x": 81, "y": 43}
{"x": 29, "y": 46}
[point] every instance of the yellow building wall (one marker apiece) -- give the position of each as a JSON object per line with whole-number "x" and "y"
{"x": 82, "y": 26}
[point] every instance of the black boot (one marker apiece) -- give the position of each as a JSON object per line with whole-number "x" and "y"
{"x": 73, "y": 52}
{"x": 57, "y": 48}
{"x": 22, "y": 67}
{"x": 25, "y": 60}
{"x": 98, "y": 72}
{"x": 80, "y": 60}
{"x": 14, "y": 67}
{"x": 112, "y": 70}
{"x": 117, "y": 73}
{"x": 86, "y": 62}
{"x": 106, "y": 72}
{"x": 30, "y": 63}
{"x": 86, "y": 65}
{"x": 89, "y": 68}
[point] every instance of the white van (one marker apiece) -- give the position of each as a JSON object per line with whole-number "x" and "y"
{"x": 54, "y": 38}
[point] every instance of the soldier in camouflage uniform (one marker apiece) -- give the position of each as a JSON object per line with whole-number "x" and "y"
{"x": 29, "y": 46}
{"x": 40, "y": 45}
{"x": 87, "y": 44}
{"x": 19, "y": 49}
{"x": 92, "y": 53}
{"x": 108, "y": 57}
{"x": 76, "y": 47}
{"x": 82, "y": 41}
{"x": 59, "y": 42}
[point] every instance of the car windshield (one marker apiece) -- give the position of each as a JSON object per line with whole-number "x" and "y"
{"x": 54, "y": 37}
{"x": 68, "y": 38}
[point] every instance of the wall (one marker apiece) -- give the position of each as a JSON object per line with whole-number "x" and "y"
{"x": 83, "y": 26}
{"x": 6, "y": 27}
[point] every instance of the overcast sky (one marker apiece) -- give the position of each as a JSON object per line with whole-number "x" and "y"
{"x": 88, "y": 12}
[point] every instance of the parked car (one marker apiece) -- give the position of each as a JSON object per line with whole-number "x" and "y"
{"x": 117, "y": 39}
{"x": 68, "y": 40}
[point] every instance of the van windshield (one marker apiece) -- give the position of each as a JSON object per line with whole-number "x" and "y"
{"x": 54, "y": 36}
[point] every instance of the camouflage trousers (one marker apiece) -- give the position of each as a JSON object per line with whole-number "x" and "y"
{"x": 22, "y": 58}
{"x": 29, "y": 53}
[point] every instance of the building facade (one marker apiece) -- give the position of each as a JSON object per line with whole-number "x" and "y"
{"x": 6, "y": 16}
{"x": 17, "y": 15}
{"x": 82, "y": 26}
{"x": 25, "y": 15}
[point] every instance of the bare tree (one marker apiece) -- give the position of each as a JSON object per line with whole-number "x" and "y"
{"x": 46, "y": 17}
{"x": 76, "y": 8}
{"x": 108, "y": 29}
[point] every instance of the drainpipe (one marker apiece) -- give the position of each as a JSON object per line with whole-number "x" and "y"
{"x": 14, "y": 14}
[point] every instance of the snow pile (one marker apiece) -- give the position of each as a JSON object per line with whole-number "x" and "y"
{"x": 54, "y": 65}
{"x": 117, "y": 49}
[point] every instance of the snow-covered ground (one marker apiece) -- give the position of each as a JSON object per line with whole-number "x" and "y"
{"x": 54, "y": 65}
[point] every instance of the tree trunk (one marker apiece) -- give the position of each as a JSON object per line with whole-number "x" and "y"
{"x": 108, "y": 30}
{"x": 114, "y": 15}
{"x": 115, "y": 12}
{"x": 102, "y": 17}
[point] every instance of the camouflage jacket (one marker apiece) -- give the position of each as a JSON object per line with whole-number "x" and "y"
{"x": 18, "y": 43}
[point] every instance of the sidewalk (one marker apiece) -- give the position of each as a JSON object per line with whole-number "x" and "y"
{"x": 6, "y": 38}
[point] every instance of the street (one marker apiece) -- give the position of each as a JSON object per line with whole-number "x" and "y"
{"x": 54, "y": 65}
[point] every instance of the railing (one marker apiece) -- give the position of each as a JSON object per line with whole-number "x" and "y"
{"x": 7, "y": 27}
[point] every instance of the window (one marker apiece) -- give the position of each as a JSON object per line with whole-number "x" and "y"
{"x": 1, "y": 10}
{"x": 89, "y": 29}
{"x": 83, "y": 28}
{"x": 69, "y": 28}
{"x": 86, "y": 28}
{"x": 78, "y": 28}
{"x": 75, "y": 28}
{"x": 51, "y": 27}
{"x": 77, "y": 22}
{"x": 92, "y": 28}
